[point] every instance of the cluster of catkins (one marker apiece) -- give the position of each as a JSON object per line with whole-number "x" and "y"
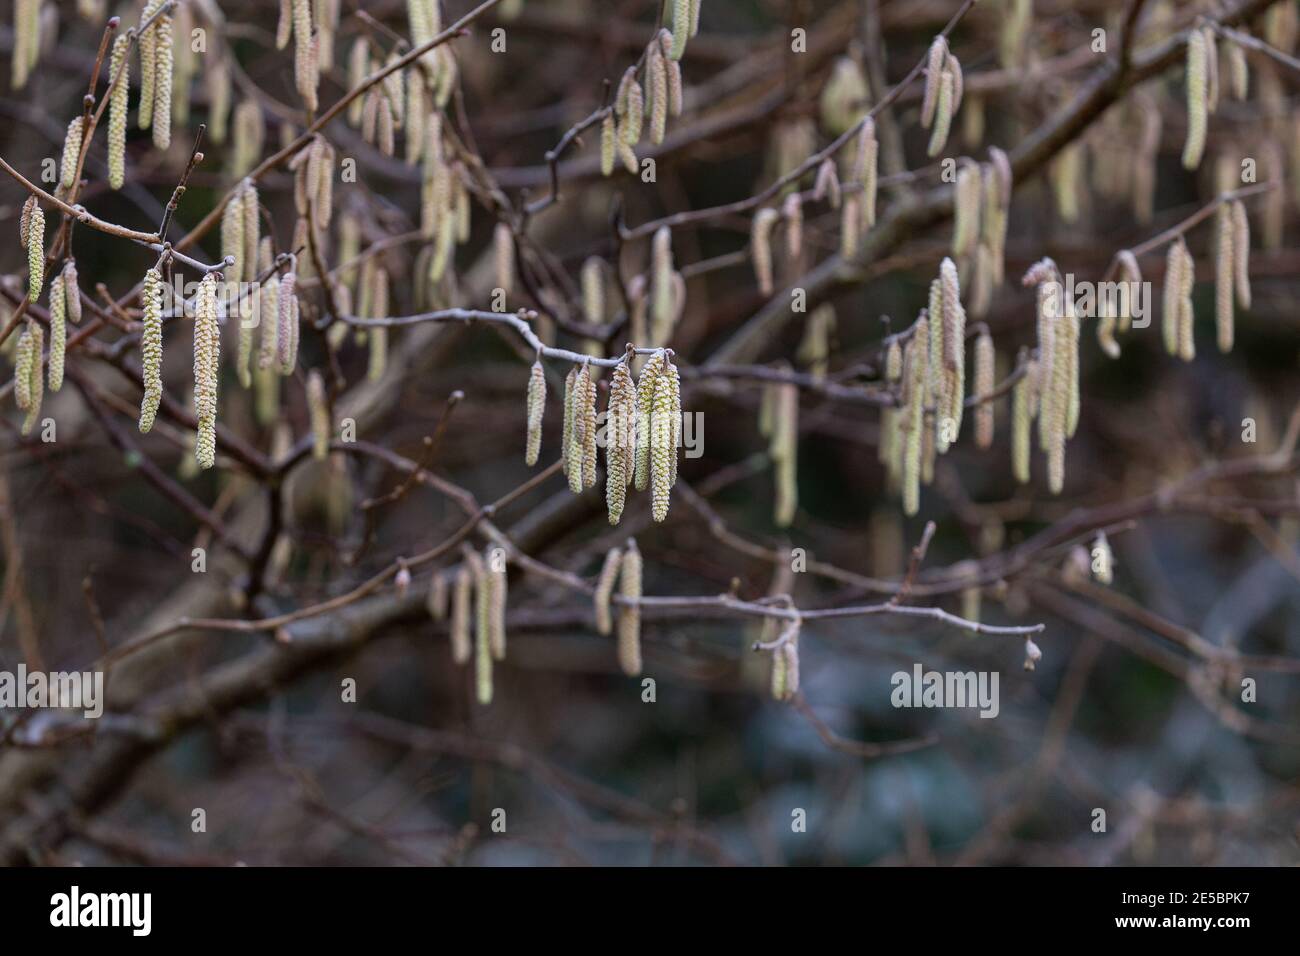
{"x": 928, "y": 370}
{"x": 622, "y": 569}
{"x": 642, "y": 430}
{"x": 477, "y": 595}
{"x": 943, "y": 94}
{"x": 623, "y": 126}
{"x": 1049, "y": 389}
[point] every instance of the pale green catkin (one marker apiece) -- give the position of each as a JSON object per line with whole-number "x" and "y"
{"x": 630, "y": 106}
{"x": 645, "y": 391}
{"x": 462, "y": 597}
{"x": 207, "y": 350}
{"x": 482, "y": 629}
{"x": 162, "y": 107}
{"x": 657, "y": 81}
{"x": 943, "y": 115}
{"x": 915, "y": 374}
{"x": 1211, "y": 70}
{"x": 23, "y": 368}
{"x": 26, "y": 40}
{"x": 938, "y": 55}
{"x": 306, "y": 56}
{"x": 662, "y": 298}
{"x": 535, "y": 407}
{"x": 71, "y": 153}
{"x": 497, "y": 582}
{"x": 1171, "y": 298}
{"x": 35, "y": 233}
{"x": 760, "y": 247}
{"x": 605, "y": 590}
{"x": 1186, "y": 317}
{"x": 1238, "y": 70}
{"x": 72, "y": 290}
{"x": 36, "y": 377}
{"x": 792, "y": 213}
{"x": 684, "y": 12}
{"x": 865, "y": 170}
{"x": 318, "y": 407}
{"x": 1021, "y": 419}
{"x": 607, "y": 144}
{"x": 1224, "y": 267}
{"x": 850, "y": 225}
{"x": 218, "y": 84}
{"x": 815, "y": 347}
{"x": 784, "y": 453}
{"x": 576, "y": 418}
{"x": 151, "y": 347}
{"x": 566, "y": 436}
{"x": 1241, "y": 252}
{"x": 58, "y": 332}
{"x": 232, "y": 233}
{"x": 148, "y": 44}
{"x": 966, "y": 208}
{"x": 663, "y": 446}
{"x": 588, "y": 410}
{"x": 286, "y": 340}
{"x": 984, "y": 358}
{"x": 1197, "y": 99}
{"x": 592, "y": 280}
{"x": 118, "y": 106}
{"x": 619, "y": 440}
{"x": 629, "y": 618}
{"x": 827, "y": 184}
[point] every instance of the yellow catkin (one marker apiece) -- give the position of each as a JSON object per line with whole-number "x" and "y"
{"x": 503, "y": 247}
{"x": 319, "y": 409}
{"x": 1021, "y": 419}
{"x": 645, "y": 392}
{"x": 685, "y": 12}
{"x": 536, "y": 408}
{"x": 792, "y": 213}
{"x": 207, "y": 350}
{"x": 72, "y": 290}
{"x": 71, "y": 153}
{"x": 36, "y": 377}
{"x": 933, "y": 71}
{"x": 605, "y": 590}
{"x": 497, "y": 582}
{"x": 461, "y": 600}
{"x": 23, "y": 368}
{"x": 482, "y": 629}
{"x": 118, "y": 105}
{"x": 657, "y": 82}
{"x": 1197, "y": 99}
{"x": 1224, "y": 268}
{"x": 915, "y": 362}
{"x": 1186, "y": 317}
{"x": 35, "y": 238}
{"x": 162, "y": 105}
{"x": 58, "y": 332}
{"x": 587, "y": 407}
{"x": 984, "y": 357}
{"x": 151, "y": 347}
{"x": 866, "y": 170}
{"x": 942, "y": 115}
{"x": 760, "y": 247}
{"x": 1241, "y": 252}
{"x": 619, "y": 440}
{"x": 630, "y": 107}
{"x": 566, "y": 436}
{"x": 629, "y": 617}
{"x": 1171, "y": 299}
{"x": 827, "y": 184}
{"x": 607, "y": 145}
{"x": 784, "y": 453}
{"x": 663, "y": 447}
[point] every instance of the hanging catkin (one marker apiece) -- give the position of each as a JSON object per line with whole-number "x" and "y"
{"x": 1021, "y": 422}
{"x": 784, "y": 453}
{"x": 1211, "y": 70}
{"x": 71, "y": 153}
{"x": 503, "y": 248}
{"x": 1241, "y": 252}
{"x": 1171, "y": 298}
{"x": 27, "y": 40}
{"x": 35, "y": 368}
{"x": 661, "y": 283}
{"x": 966, "y": 208}
{"x": 435, "y": 601}
{"x": 306, "y": 65}
{"x": 663, "y": 446}
{"x": 1224, "y": 268}
{"x": 607, "y": 146}
{"x": 34, "y": 237}
{"x": 942, "y": 115}
{"x": 983, "y": 389}
{"x": 630, "y": 107}
{"x": 760, "y": 245}
{"x": 58, "y": 332}
{"x": 151, "y": 347}
{"x": 482, "y": 628}
{"x": 827, "y": 184}
{"x": 850, "y": 225}
{"x": 585, "y": 406}
{"x": 1238, "y": 70}
{"x": 318, "y": 407}
{"x": 72, "y": 290}
{"x": 1197, "y": 99}
{"x": 933, "y": 69}
{"x": 591, "y": 278}
{"x": 148, "y": 44}
{"x": 619, "y": 441}
{"x": 23, "y": 368}
{"x": 496, "y": 575}
{"x": 286, "y": 339}
{"x": 536, "y": 407}
{"x": 118, "y": 105}
{"x": 657, "y": 83}
{"x": 605, "y": 590}
{"x": 207, "y": 350}
{"x": 684, "y": 14}
{"x": 218, "y": 84}
{"x": 162, "y": 106}
{"x": 915, "y": 362}
{"x": 792, "y": 213}
{"x": 629, "y": 617}
{"x": 1186, "y": 317}
{"x": 645, "y": 391}
{"x": 865, "y": 169}
{"x": 461, "y": 599}
{"x": 566, "y": 436}
{"x": 1103, "y": 559}
{"x": 954, "y": 352}
{"x": 576, "y": 419}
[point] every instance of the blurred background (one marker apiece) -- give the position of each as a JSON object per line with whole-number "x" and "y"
{"x": 1135, "y": 708}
